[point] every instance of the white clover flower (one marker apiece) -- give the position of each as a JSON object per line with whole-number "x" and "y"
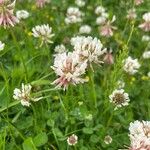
{"x": 24, "y": 95}
{"x": 22, "y": 14}
{"x": 131, "y": 14}
{"x": 2, "y": 45}
{"x": 100, "y": 20}
{"x": 131, "y": 65}
{"x": 146, "y": 25}
{"x": 145, "y": 38}
{"x": 85, "y": 29}
{"x": 73, "y": 15}
{"x": 146, "y": 55}
{"x": 80, "y": 3}
{"x": 72, "y": 140}
{"x": 148, "y": 74}
{"x": 140, "y": 135}
{"x": 107, "y": 28}
{"x": 99, "y": 10}
{"x": 43, "y": 32}
{"x": 138, "y": 2}
{"x": 60, "y": 49}
{"x": 119, "y": 98}
{"x": 108, "y": 139}
{"x": 89, "y": 49}
{"x": 68, "y": 69}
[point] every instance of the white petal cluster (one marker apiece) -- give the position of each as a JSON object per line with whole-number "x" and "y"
{"x": 138, "y": 2}
{"x": 80, "y": 3}
{"x": 72, "y": 140}
{"x": 85, "y": 29}
{"x": 146, "y": 55}
{"x": 131, "y": 14}
{"x": 99, "y": 10}
{"x": 2, "y": 45}
{"x": 119, "y": 98}
{"x": 89, "y": 49}
{"x": 68, "y": 69}
{"x": 146, "y": 25}
{"x": 145, "y": 38}
{"x": 22, "y": 14}
{"x": 24, "y": 95}
{"x": 73, "y": 15}
{"x": 140, "y": 135}
{"x": 44, "y": 32}
{"x": 146, "y": 17}
{"x": 102, "y": 15}
{"x": 131, "y": 65}
{"x": 60, "y": 49}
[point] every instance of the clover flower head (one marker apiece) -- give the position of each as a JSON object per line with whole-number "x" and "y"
{"x": 7, "y": 17}
{"x": 73, "y": 15}
{"x": 131, "y": 65}
{"x": 44, "y": 33}
{"x": 145, "y": 26}
{"x": 68, "y": 69}
{"x": 89, "y": 49}
{"x": 119, "y": 98}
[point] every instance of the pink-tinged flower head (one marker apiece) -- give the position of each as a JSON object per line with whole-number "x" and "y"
{"x": 7, "y": 17}
{"x": 139, "y": 135}
{"x": 138, "y": 2}
{"x": 108, "y": 58}
{"x": 145, "y": 26}
{"x": 107, "y": 28}
{"x": 68, "y": 69}
{"x": 40, "y": 3}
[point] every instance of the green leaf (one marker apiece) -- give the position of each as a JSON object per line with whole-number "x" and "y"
{"x": 28, "y": 144}
{"x": 50, "y": 122}
{"x": 87, "y": 130}
{"x": 57, "y": 132}
{"x": 94, "y": 139}
{"x": 40, "y": 139}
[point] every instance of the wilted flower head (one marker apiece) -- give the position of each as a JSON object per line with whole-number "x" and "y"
{"x": 73, "y": 15}
{"x": 44, "y": 33}
{"x": 2, "y": 45}
{"x": 131, "y": 65}
{"x": 138, "y": 2}
{"x": 131, "y": 14}
{"x": 72, "y": 140}
{"x": 85, "y": 29}
{"x": 146, "y": 25}
{"x": 108, "y": 139}
{"x": 107, "y": 28}
{"x": 60, "y": 49}
{"x": 24, "y": 95}
{"x": 119, "y": 98}
{"x": 22, "y": 14}
{"x": 7, "y": 17}
{"x": 139, "y": 135}
{"x": 68, "y": 69}
{"x": 108, "y": 57}
{"x": 89, "y": 49}
{"x": 80, "y": 3}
